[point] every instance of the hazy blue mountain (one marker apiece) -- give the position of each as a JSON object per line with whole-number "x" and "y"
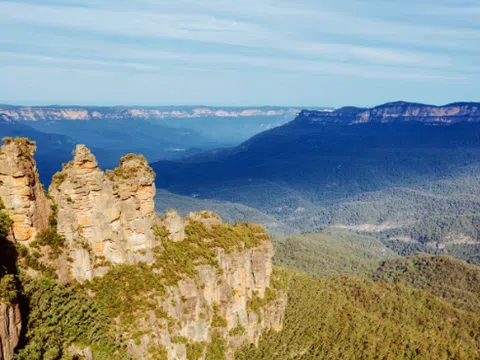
{"x": 159, "y": 133}
{"x": 230, "y": 130}
{"x": 121, "y": 136}
{"x": 397, "y": 171}
{"x": 221, "y": 125}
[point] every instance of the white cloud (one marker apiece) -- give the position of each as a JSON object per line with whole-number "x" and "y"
{"x": 210, "y": 29}
{"x": 227, "y": 39}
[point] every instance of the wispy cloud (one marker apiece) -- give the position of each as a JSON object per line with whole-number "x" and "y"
{"x": 354, "y": 40}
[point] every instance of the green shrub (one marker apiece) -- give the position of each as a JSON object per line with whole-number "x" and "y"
{"x": 195, "y": 350}
{"x": 126, "y": 290}
{"x": 61, "y": 316}
{"x": 8, "y": 289}
{"x": 157, "y": 352}
{"x": 5, "y": 223}
{"x": 238, "y": 330}
{"x": 218, "y": 321}
{"x": 216, "y": 348}
{"x": 50, "y": 237}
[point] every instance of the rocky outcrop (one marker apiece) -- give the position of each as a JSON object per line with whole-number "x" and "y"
{"x": 233, "y": 302}
{"x": 174, "y": 224}
{"x": 209, "y": 283}
{"x": 397, "y": 112}
{"x": 21, "y": 191}
{"x": 105, "y": 218}
{"x": 10, "y": 328}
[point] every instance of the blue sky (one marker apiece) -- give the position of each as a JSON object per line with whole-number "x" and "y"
{"x": 239, "y": 52}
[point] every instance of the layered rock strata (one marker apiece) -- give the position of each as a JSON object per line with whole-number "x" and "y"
{"x": 105, "y": 217}
{"x": 223, "y": 303}
{"x": 397, "y": 112}
{"x": 108, "y": 219}
{"x": 21, "y": 191}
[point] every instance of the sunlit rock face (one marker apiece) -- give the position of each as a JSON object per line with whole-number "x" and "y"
{"x": 21, "y": 190}
{"x": 105, "y": 217}
{"x": 10, "y": 328}
{"x": 224, "y": 292}
{"x": 397, "y": 112}
{"x": 109, "y": 218}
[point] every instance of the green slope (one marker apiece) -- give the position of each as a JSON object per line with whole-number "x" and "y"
{"x": 354, "y": 318}
{"x": 333, "y": 252}
{"x": 455, "y": 281}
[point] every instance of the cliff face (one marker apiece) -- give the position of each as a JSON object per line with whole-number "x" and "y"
{"x": 21, "y": 190}
{"x": 10, "y": 327}
{"x": 194, "y": 283}
{"x": 105, "y": 218}
{"x": 231, "y": 302}
{"x": 397, "y": 112}
{"x": 59, "y": 113}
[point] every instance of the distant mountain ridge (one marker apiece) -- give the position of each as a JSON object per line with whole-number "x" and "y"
{"x": 54, "y": 112}
{"x": 405, "y": 173}
{"x": 399, "y": 111}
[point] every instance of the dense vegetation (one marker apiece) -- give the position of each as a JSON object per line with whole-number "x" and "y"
{"x": 407, "y": 181}
{"x": 230, "y": 212}
{"x": 8, "y": 279}
{"x": 333, "y": 252}
{"x": 129, "y": 292}
{"x": 62, "y": 316}
{"x": 455, "y": 281}
{"x": 354, "y": 318}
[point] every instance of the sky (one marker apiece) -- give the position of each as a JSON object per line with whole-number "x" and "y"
{"x": 239, "y": 52}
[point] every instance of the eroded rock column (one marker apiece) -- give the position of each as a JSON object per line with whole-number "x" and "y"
{"x": 20, "y": 189}
{"x": 105, "y": 218}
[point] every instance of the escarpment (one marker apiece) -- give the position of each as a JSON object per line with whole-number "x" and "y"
{"x": 169, "y": 288}
{"x": 396, "y": 112}
{"x": 215, "y": 291}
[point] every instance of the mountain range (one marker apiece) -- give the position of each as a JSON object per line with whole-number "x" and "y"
{"x": 406, "y": 173}
{"x": 88, "y": 270}
{"x": 157, "y": 132}
{"x": 56, "y": 112}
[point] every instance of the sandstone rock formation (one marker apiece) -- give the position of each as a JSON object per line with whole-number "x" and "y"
{"x": 397, "y": 112}
{"x": 234, "y": 302}
{"x": 21, "y": 191}
{"x": 10, "y": 327}
{"x": 105, "y": 218}
{"x": 174, "y": 224}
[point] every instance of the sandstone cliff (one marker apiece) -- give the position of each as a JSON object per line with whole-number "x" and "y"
{"x": 230, "y": 302}
{"x": 76, "y": 113}
{"x": 105, "y": 218}
{"x": 21, "y": 190}
{"x": 10, "y": 327}
{"x": 172, "y": 288}
{"x": 397, "y": 112}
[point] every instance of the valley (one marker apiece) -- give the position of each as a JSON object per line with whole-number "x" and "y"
{"x": 370, "y": 250}
{"x": 409, "y": 181}
{"x": 157, "y": 132}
